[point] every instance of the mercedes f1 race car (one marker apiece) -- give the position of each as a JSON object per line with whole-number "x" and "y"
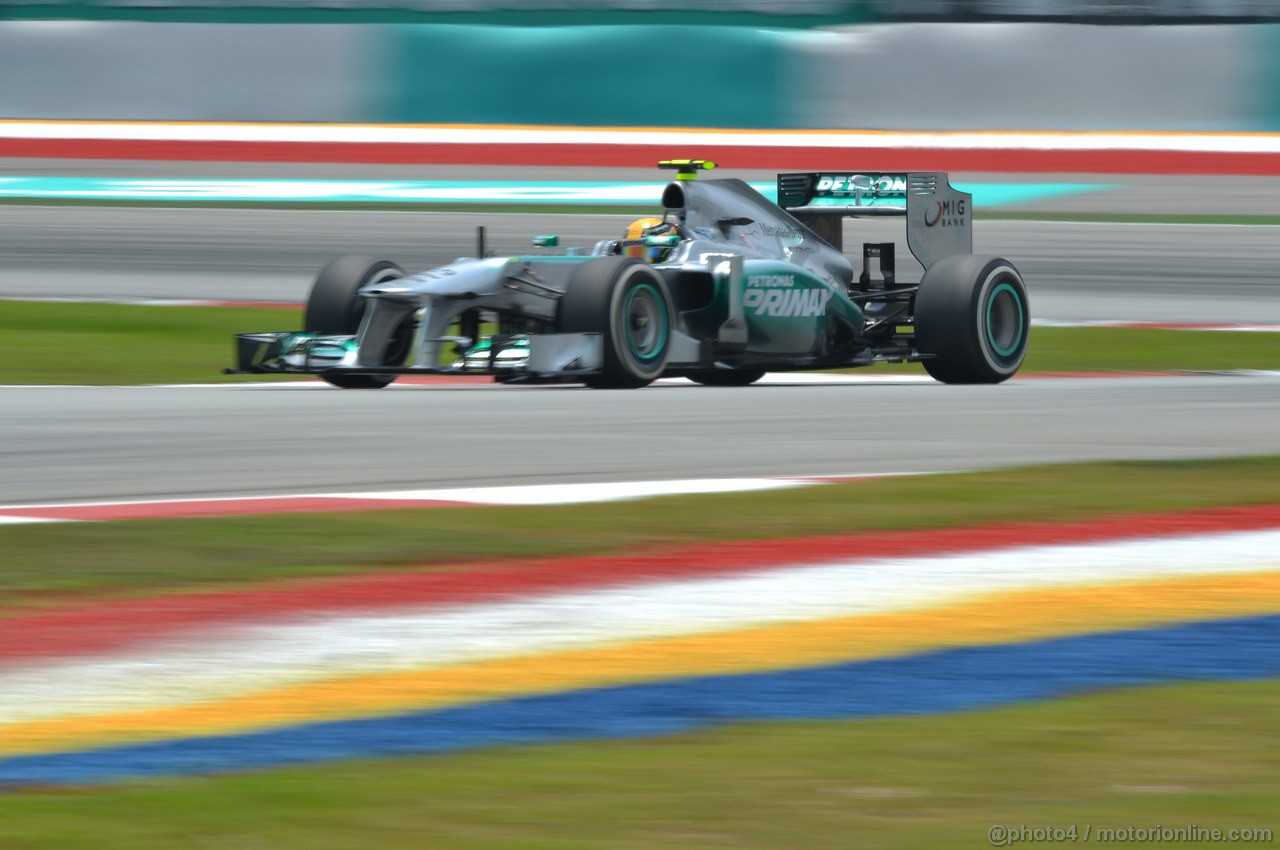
{"x": 725, "y": 286}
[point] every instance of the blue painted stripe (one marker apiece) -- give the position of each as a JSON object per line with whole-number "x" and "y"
{"x": 431, "y": 191}
{"x": 951, "y": 680}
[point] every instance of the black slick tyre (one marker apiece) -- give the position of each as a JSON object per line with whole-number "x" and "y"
{"x": 627, "y": 303}
{"x": 333, "y": 307}
{"x": 972, "y": 314}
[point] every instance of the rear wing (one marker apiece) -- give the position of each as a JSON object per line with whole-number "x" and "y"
{"x": 939, "y": 218}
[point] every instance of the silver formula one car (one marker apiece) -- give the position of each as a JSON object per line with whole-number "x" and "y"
{"x": 725, "y": 286}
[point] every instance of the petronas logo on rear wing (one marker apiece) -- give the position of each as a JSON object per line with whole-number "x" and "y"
{"x": 846, "y": 190}
{"x": 868, "y": 186}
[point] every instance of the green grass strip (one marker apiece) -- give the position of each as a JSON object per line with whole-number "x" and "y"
{"x": 1205, "y": 754}
{"x": 1148, "y": 350}
{"x": 104, "y": 344}
{"x": 48, "y": 564}
{"x": 86, "y": 343}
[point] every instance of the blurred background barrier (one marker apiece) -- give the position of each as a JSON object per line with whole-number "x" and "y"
{"x": 899, "y": 76}
{"x": 660, "y": 76}
{"x": 786, "y": 13}
{"x": 799, "y": 13}
{"x": 1020, "y": 76}
{"x": 593, "y": 76}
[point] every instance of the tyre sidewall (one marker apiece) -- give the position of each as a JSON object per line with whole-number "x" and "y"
{"x": 972, "y": 314}
{"x": 333, "y": 306}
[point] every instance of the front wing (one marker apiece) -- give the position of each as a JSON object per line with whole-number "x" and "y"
{"x": 294, "y": 352}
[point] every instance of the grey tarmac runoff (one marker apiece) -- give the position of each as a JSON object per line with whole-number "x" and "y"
{"x": 69, "y": 444}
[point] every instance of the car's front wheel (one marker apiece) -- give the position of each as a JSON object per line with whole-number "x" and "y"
{"x": 335, "y": 307}
{"x": 627, "y": 303}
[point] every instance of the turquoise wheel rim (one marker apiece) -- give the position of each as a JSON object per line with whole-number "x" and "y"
{"x": 644, "y": 317}
{"x": 1005, "y": 328}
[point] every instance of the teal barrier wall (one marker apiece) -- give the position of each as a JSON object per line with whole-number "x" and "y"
{"x": 1264, "y": 106}
{"x": 891, "y": 77}
{"x": 591, "y": 76}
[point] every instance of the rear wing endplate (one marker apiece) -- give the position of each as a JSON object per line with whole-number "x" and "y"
{"x": 939, "y": 217}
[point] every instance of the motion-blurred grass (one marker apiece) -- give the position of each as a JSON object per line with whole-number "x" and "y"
{"x": 1202, "y": 754}
{"x": 105, "y": 344}
{"x": 86, "y": 343}
{"x": 47, "y": 564}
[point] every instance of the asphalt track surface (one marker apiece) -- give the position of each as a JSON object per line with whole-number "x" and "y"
{"x": 84, "y": 443}
{"x": 1075, "y": 271}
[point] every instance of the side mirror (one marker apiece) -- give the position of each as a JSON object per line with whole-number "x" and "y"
{"x": 546, "y": 241}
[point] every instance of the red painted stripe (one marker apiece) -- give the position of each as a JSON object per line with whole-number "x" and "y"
{"x": 267, "y": 305}
{"x": 119, "y": 624}
{"x": 445, "y": 380}
{"x": 643, "y": 156}
{"x": 1189, "y": 326}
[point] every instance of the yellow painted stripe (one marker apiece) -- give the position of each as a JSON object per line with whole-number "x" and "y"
{"x": 986, "y": 620}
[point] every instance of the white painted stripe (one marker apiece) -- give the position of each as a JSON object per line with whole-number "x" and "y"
{"x": 28, "y": 520}
{"x": 238, "y": 660}
{"x": 427, "y": 134}
{"x": 574, "y": 494}
{"x": 148, "y": 302}
{"x": 523, "y": 494}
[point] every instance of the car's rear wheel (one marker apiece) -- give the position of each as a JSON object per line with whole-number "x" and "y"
{"x": 627, "y": 303}
{"x": 334, "y": 307}
{"x": 972, "y": 314}
{"x": 726, "y": 377}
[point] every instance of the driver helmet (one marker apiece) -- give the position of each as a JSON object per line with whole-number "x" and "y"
{"x": 643, "y": 227}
